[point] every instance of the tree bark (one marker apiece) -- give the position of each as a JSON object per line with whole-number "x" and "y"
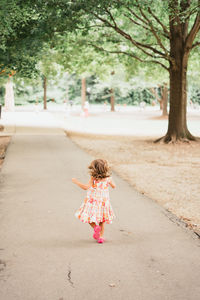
{"x": 177, "y": 125}
{"x": 161, "y": 104}
{"x": 83, "y": 92}
{"x": 160, "y": 100}
{"x": 112, "y": 99}
{"x": 164, "y": 100}
{"x": 179, "y": 53}
{"x": 45, "y": 92}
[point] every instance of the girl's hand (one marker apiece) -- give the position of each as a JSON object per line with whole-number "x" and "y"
{"x": 112, "y": 184}
{"x": 74, "y": 180}
{"x": 81, "y": 185}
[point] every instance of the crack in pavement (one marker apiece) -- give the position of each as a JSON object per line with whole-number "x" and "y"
{"x": 2, "y": 265}
{"x": 69, "y": 276}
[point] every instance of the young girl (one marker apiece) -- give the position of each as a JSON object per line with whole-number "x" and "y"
{"x": 96, "y": 208}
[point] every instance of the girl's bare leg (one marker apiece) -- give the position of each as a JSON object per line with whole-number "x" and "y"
{"x": 92, "y": 224}
{"x": 101, "y": 224}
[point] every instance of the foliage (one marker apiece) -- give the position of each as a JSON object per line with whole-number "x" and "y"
{"x": 19, "y": 41}
{"x": 138, "y": 29}
{"x": 26, "y": 26}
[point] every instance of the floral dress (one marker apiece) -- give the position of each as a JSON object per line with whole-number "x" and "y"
{"x": 96, "y": 206}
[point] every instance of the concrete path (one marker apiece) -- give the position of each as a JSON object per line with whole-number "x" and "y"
{"x": 132, "y": 122}
{"x": 47, "y": 254}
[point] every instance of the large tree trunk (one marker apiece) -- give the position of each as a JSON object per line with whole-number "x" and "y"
{"x": 45, "y": 92}
{"x": 112, "y": 99}
{"x": 177, "y": 125}
{"x": 83, "y": 92}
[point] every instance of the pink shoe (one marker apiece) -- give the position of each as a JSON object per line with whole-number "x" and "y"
{"x": 97, "y": 230}
{"x": 100, "y": 240}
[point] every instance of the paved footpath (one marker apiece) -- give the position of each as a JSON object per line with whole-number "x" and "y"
{"x": 47, "y": 254}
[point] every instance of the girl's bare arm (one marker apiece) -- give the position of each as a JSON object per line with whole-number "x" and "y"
{"x": 112, "y": 184}
{"x": 82, "y": 185}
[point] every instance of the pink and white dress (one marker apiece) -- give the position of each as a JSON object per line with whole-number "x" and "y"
{"x": 96, "y": 206}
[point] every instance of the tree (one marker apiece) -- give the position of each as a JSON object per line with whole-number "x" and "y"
{"x": 163, "y": 98}
{"x": 76, "y": 56}
{"x": 47, "y": 69}
{"x": 163, "y": 32}
{"x": 160, "y": 32}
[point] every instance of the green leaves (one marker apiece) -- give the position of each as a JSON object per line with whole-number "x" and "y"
{"x": 89, "y": 37}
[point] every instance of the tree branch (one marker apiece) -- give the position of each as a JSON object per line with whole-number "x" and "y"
{"x": 136, "y": 23}
{"x": 184, "y": 5}
{"x": 154, "y": 32}
{"x": 111, "y": 16}
{"x": 143, "y": 26}
{"x": 139, "y": 18}
{"x": 82, "y": 28}
{"x": 166, "y": 31}
{"x": 132, "y": 12}
{"x": 195, "y": 45}
{"x": 129, "y": 54}
{"x": 193, "y": 11}
{"x": 128, "y": 37}
{"x": 174, "y": 20}
{"x": 193, "y": 32}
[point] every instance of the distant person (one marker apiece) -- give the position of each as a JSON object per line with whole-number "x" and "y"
{"x": 96, "y": 208}
{"x": 105, "y": 107}
{"x": 36, "y": 106}
{"x": 142, "y": 105}
{"x": 86, "y": 109}
{"x": 65, "y": 104}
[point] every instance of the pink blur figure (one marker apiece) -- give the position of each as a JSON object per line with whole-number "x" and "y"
{"x": 86, "y": 109}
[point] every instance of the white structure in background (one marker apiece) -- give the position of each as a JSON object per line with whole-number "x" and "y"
{"x": 9, "y": 96}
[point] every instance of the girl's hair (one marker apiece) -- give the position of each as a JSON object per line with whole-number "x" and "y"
{"x": 99, "y": 168}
